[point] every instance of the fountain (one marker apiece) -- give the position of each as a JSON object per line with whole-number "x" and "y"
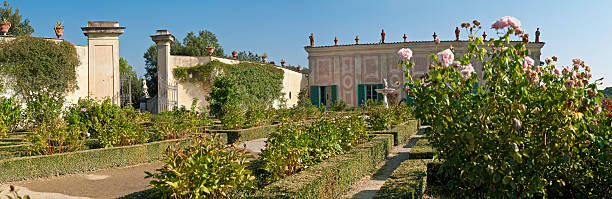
{"x": 385, "y": 91}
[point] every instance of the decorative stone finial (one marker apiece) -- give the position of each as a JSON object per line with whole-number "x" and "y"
{"x": 404, "y": 38}
{"x": 356, "y": 39}
{"x": 283, "y": 62}
{"x": 335, "y": 41}
{"x": 264, "y": 58}
{"x": 299, "y": 68}
{"x": 484, "y": 35}
{"x": 382, "y": 36}
{"x": 59, "y": 31}
{"x": 457, "y": 31}
{"x": 537, "y": 34}
{"x": 435, "y": 36}
{"x": 311, "y": 39}
{"x": 235, "y": 54}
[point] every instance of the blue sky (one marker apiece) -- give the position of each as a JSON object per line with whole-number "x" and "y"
{"x": 571, "y": 29}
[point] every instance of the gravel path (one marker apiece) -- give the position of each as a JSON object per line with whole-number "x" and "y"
{"x": 367, "y": 187}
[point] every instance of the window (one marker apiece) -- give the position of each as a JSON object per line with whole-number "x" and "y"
{"x": 371, "y": 92}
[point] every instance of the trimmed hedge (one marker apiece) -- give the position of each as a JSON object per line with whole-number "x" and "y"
{"x": 409, "y": 180}
{"x": 402, "y": 132}
{"x": 80, "y": 161}
{"x": 421, "y": 149}
{"x": 242, "y": 135}
{"x": 332, "y": 177}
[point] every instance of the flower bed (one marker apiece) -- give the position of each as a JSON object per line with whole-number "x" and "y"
{"x": 75, "y": 162}
{"x": 332, "y": 177}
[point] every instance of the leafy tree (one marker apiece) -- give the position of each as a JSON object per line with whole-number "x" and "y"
{"x": 18, "y": 26}
{"x": 607, "y": 92}
{"x": 248, "y": 56}
{"x": 136, "y": 84}
{"x": 193, "y": 45}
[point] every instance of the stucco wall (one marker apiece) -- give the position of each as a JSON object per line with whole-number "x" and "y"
{"x": 82, "y": 72}
{"x": 350, "y": 65}
{"x": 187, "y": 91}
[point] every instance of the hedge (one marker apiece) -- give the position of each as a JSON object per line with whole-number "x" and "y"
{"x": 421, "y": 149}
{"x": 402, "y": 132}
{"x": 409, "y": 180}
{"x": 332, "y": 177}
{"x": 242, "y": 135}
{"x": 81, "y": 161}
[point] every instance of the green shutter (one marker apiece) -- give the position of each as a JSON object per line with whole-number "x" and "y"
{"x": 379, "y": 96}
{"x": 360, "y": 94}
{"x": 334, "y": 93}
{"x": 314, "y": 95}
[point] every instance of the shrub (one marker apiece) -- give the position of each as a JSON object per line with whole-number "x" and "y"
{"x": 32, "y": 63}
{"x": 44, "y": 106}
{"x": 339, "y": 106}
{"x": 529, "y": 131}
{"x": 178, "y": 123}
{"x": 296, "y": 146}
{"x": 55, "y": 136}
{"x": 109, "y": 123}
{"x": 207, "y": 168}
{"x": 10, "y": 115}
{"x": 381, "y": 118}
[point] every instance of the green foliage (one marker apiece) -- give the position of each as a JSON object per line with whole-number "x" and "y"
{"x": 530, "y": 131}
{"x": 224, "y": 94}
{"x": 205, "y": 169}
{"x": 43, "y": 106}
{"x": 248, "y": 56}
{"x": 260, "y": 83}
{"x": 55, "y": 136}
{"x": 407, "y": 181}
{"x": 339, "y": 106}
{"x": 19, "y": 26}
{"x": 11, "y": 115}
{"x": 32, "y": 63}
{"x": 109, "y": 123}
{"x": 334, "y": 176}
{"x": 179, "y": 123}
{"x": 296, "y": 146}
{"x": 381, "y": 118}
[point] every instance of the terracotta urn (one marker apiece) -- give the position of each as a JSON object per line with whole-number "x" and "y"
{"x": 59, "y": 31}
{"x": 4, "y": 27}
{"x": 283, "y": 62}
{"x": 264, "y": 58}
{"x": 210, "y": 49}
{"x": 235, "y": 54}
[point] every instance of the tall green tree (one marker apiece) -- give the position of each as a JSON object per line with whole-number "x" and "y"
{"x": 193, "y": 45}
{"x": 136, "y": 83}
{"x": 248, "y": 56}
{"x": 19, "y": 26}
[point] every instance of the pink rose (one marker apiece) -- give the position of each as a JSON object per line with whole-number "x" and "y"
{"x": 437, "y": 41}
{"x": 405, "y": 53}
{"x": 506, "y": 21}
{"x": 83, "y": 109}
{"x": 519, "y": 31}
{"x": 528, "y": 62}
{"x": 557, "y": 72}
{"x": 574, "y": 75}
{"x": 466, "y": 71}
{"x": 446, "y": 57}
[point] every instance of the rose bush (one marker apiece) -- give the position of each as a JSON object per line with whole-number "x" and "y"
{"x": 525, "y": 130}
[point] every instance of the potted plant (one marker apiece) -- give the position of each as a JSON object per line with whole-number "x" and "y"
{"x": 59, "y": 29}
{"x": 264, "y": 58}
{"x": 5, "y": 25}
{"x": 210, "y": 49}
{"x": 235, "y": 54}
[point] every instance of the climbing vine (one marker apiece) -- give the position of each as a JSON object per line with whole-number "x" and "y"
{"x": 31, "y": 63}
{"x": 261, "y": 83}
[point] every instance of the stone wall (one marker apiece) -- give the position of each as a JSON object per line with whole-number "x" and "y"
{"x": 186, "y": 92}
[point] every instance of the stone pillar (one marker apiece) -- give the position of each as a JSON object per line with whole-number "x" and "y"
{"x": 103, "y": 56}
{"x": 163, "y": 39}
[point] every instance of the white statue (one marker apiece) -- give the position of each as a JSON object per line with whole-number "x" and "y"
{"x": 145, "y": 89}
{"x": 386, "y": 85}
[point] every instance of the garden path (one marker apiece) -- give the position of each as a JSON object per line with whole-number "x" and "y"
{"x": 107, "y": 183}
{"x": 367, "y": 187}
